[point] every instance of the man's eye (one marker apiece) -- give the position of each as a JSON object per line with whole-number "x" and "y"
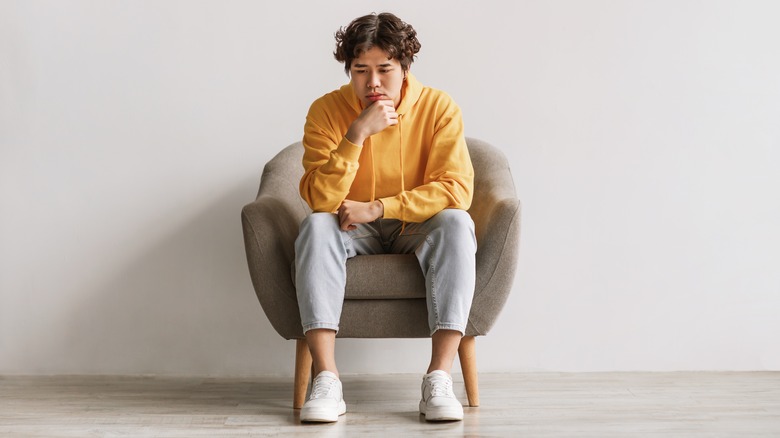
{"x": 360, "y": 71}
{"x": 385, "y": 70}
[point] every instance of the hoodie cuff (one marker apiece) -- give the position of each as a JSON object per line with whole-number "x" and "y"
{"x": 392, "y": 208}
{"x": 350, "y": 151}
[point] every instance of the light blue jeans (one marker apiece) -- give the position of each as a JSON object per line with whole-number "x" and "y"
{"x": 445, "y": 246}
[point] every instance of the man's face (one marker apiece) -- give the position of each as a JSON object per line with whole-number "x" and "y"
{"x": 376, "y": 77}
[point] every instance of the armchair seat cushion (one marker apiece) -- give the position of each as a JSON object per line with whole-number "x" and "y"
{"x": 383, "y": 277}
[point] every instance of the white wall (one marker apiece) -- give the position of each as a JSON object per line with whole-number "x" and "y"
{"x": 644, "y": 137}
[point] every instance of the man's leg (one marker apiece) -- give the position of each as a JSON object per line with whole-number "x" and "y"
{"x": 444, "y": 346}
{"x": 320, "y": 272}
{"x": 446, "y": 247}
{"x": 321, "y": 252}
{"x": 322, "y": 345}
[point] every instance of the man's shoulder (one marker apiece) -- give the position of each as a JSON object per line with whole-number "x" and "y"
{"x": 434, "y": 93}
{"x": 331, "y": 101}
{"x": 436, "y": 98}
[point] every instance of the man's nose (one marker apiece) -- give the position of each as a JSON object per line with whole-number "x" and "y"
{"x": 373, "y": 80}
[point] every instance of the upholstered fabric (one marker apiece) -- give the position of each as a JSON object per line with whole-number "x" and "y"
{"x": 385, "y": 295}
{"x": 382, "y": 276}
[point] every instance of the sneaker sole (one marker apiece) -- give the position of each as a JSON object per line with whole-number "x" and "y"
{"x": 442, "y": 414}
{"x": 323, "y": 415}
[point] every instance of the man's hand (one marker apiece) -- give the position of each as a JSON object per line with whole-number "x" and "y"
{"x": 353, "y": 212}
{"x": 376, "y": 117}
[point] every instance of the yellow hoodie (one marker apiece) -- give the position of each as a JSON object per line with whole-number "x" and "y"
{"x": 415, "y": 168}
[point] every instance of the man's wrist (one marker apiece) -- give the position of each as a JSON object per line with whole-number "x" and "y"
{"x": 379, "y": 208}
{"x": 354, "y": 136}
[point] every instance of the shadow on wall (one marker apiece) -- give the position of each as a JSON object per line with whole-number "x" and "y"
{"x": 183, "y": 306}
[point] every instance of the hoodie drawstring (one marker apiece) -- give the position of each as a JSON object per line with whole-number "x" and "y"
{"x": 401, "y": 153}
{"x": 373, "y": 170}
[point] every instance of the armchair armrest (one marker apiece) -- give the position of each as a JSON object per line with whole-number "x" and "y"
{"x": 270, "y": 225}
{"x": 496, "y": 213}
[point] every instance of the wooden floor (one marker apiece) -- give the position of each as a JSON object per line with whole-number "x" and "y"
{"x": 534, "y": 404}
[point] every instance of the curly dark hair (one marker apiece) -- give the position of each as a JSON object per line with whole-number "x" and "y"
{"x": 385, "y": 31}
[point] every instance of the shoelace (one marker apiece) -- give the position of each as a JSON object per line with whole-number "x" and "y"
{"x": 440, "y": 386}
{"x": 322, "y": 387}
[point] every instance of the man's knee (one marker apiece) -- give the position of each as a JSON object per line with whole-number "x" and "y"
{"x": 318, "y": 223}
{"x": 318, "y": 229}
{"x": 454, "y": 222}
{"x": 453, "y": 227}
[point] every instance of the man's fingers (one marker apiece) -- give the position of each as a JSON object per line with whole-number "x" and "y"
{"x": 387, "y": 105}
{"x": 378, "y": 116}
{"x": 345, "y": 222}
{"x": 342, "y": 221}
{"x": 346, "y": 226}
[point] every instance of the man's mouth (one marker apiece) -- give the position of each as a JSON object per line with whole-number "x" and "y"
{"x": 375, "y": 96}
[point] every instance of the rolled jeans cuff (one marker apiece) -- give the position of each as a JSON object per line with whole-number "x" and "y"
{"x": 447, "y": 326}
{"x": 320, "y": 325}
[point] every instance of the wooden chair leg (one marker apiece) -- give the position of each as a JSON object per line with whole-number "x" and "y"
{"x": 468, "y": 364}
{"x": 303, "y": 365}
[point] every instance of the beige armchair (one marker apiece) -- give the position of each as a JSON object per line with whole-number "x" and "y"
{"x": 385, "y": 294}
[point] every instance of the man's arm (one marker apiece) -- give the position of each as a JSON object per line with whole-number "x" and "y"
{"x": 331, "y": 164}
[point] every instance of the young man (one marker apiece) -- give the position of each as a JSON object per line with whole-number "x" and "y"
{"x": 387, "y": 170}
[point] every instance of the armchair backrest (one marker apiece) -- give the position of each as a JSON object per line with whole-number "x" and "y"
{"x": 492, "y": 179}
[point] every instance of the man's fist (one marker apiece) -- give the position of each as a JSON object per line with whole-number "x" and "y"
{"x": 376, "y": 117}
{"x": 353, "y": 212}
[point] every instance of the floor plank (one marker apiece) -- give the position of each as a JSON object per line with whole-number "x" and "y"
{"x": 532, "y": 404}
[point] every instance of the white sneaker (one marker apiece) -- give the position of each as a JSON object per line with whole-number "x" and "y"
{"x": 326, "y": 401}
{"x": 438, "y": 400}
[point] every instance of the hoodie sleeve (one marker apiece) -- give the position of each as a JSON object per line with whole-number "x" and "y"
{"x": 330, "y": 163}
{"x": 449, "y": 175}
